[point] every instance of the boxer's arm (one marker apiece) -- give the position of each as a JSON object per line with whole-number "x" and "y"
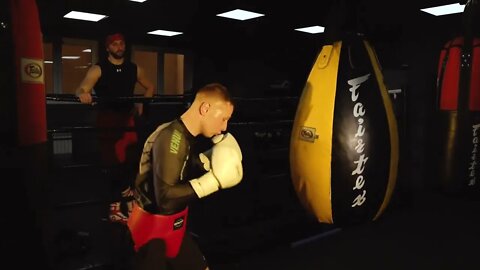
{"x": 169, "y": 155}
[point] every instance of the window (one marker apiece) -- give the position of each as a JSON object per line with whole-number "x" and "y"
{"x": 166, "y": 70}
{"x": 48, "y": 67}
{"x": 76, "y": 58}
{"x": 173, "y": 70}
{"x": 148, "y": 61}
{"x": 67, "y": 62}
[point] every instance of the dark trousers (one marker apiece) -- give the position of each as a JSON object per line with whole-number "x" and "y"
{"x": 118, "y": 146}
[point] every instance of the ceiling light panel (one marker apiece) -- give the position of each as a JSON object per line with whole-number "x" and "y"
{"x": 312, "y": 29}
{"x": 84, "y": 16}
{"x": 71, "y": 57}
{"x": 164, "y": 33}
{"x": 240, "y": 14}
{"x": 445, "y": 9}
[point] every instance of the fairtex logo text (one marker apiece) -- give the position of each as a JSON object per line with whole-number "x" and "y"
{"x": 474, "y": 161}
{"x": 358, "y": 112}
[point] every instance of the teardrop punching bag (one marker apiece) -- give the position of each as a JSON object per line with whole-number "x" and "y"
{"x": 28, "y": 47}
{"x": 344, "y": 142}
{"x": 458, "y": 113}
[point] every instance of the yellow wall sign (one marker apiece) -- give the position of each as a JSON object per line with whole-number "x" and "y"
{"x": 32, "y": 70}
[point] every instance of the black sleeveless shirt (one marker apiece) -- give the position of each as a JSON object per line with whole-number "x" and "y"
{"x": 116, "y": 81}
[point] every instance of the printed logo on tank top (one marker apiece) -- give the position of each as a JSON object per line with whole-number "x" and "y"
{"x": 175, "y": 141}
{"x": 178, "y": 223}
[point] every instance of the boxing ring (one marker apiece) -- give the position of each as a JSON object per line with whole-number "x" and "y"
{"x": 261, "y": 125}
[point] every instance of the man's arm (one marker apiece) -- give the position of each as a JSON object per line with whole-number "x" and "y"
{"x": 145, "y": 82}
{"x": 84, "y": 91}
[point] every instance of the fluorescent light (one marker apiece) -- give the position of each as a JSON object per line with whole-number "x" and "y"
{"x": 48, "y": 61}
{"x": 87, "y": 50}
{"x": 445, "y": 9}
{"x": 239, "y": 14}
{"x": 139, "y": 1}
{"x": 164, "y": 33}
{"x": 70, "y": 57}
{"x": 312, "y": 29}
{"x": 78, "y": 15}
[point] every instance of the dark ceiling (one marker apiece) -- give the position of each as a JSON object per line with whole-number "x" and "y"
{"x": 381, "y": 20}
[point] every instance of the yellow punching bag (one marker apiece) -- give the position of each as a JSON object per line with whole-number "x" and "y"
{"x": 344, "y": 142}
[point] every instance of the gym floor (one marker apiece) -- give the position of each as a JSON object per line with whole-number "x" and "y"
{"x": 420, "y": 229}
{"x": 433, "y": 232}
{"x": 425, "y": 230}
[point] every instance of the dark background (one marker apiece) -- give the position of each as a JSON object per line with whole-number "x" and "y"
{"x": 246, "y": 227}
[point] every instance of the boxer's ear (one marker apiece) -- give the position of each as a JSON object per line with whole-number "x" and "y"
{"x": 204, "y": 107}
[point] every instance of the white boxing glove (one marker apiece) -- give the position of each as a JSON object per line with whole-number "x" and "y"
{"x": 205, "y": 159}
{"x": 205, "y": 184}
{"x": 225, "y": 162}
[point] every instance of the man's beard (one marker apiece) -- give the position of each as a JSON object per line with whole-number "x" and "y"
{"x": 117, "y": 55}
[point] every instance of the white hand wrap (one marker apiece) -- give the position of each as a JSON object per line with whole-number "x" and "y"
{"x": 224, "y": 162}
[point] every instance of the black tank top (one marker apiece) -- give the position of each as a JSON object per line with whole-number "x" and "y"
{"x": 116, "y": 81}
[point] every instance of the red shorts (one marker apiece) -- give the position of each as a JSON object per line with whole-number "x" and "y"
{"x": 114, "y": 138}
{"x": 145, "y": 227}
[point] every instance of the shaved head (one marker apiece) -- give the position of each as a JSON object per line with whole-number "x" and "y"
{"x": 210, "y": 111}
{"x": 213, "y": 91}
